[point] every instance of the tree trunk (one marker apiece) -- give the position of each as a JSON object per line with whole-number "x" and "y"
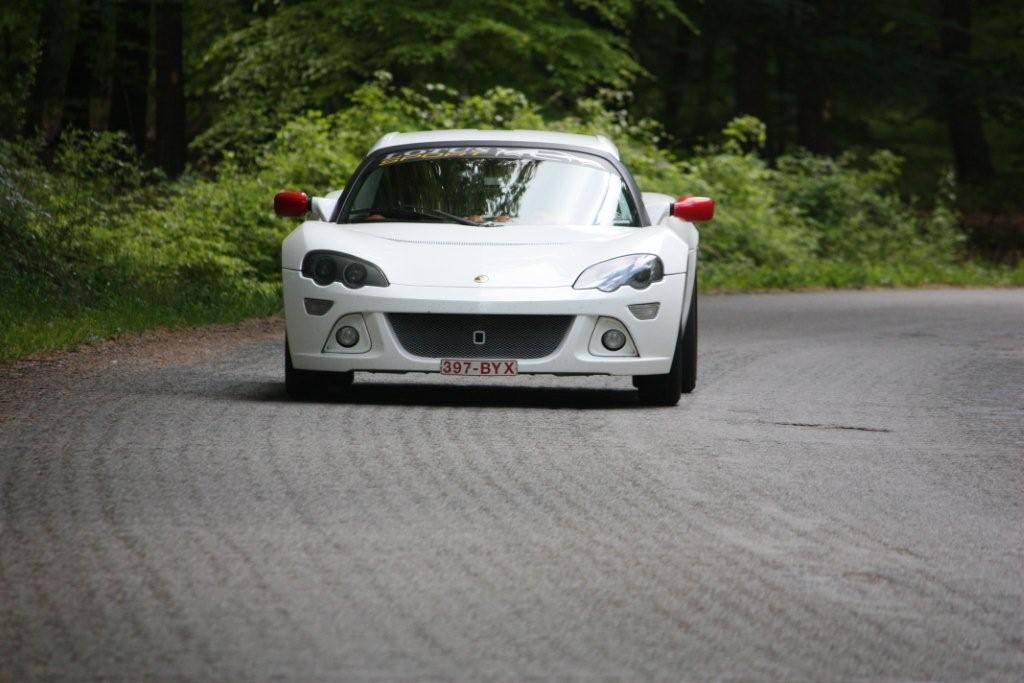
{"x": 780, "y": 112}
{"x": 19, "y": 58}
{"x": 131, "y": 74}
{"x": 813, "y": 96}
{"x": 170, "y": 88}
{"x": 958, "y": 92}
{"x": 703, "y": 123}
{"x": 813, "y": 112}
{"x": 103, "y": 62}
{"x": 664, "y": 54}
{"x": 751, "y": 77}
{"x": 673, "y": 106}
{"x": 57, "y": 32}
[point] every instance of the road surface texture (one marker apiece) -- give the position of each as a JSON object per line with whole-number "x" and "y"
{"x": 842, "y": 498}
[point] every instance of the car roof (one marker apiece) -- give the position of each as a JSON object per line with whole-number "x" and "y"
{"x": 540, "y": 138}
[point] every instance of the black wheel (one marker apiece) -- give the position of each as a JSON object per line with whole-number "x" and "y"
{"x": 665, "y": 390}
{"x": 306, "y": 384}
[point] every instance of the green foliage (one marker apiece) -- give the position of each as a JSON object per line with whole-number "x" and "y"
{"x": 95, "y": 246}
{"x": 59, "y": 219}
{"x": 314, "y": 54}
{"x": 856, "y": 213}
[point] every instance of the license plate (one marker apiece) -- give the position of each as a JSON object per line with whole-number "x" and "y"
{"x": 480, "y": 368}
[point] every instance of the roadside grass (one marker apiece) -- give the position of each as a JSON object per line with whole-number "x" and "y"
{"x": 813, "y": 274}
{"x": 33, "y": 322}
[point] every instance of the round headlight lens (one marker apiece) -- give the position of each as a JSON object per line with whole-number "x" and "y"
{"x": 325, "y": 270}
{"x": 355, "y": 275}
{"x": 642, "y": 278}
{"x": 347, "y": 336}
{"x": 613, "y": 340}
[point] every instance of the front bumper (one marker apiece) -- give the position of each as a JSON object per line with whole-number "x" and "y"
{"x": 655, "y": 339}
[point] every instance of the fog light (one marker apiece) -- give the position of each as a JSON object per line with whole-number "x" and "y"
{"x": 613, "y": 340}
{"x": 318, "y": 306}
{"x": 644, "y": 311}
{"x": 347, "y": 336}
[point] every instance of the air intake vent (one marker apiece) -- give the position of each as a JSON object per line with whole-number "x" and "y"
{"x": 440, "y": 335}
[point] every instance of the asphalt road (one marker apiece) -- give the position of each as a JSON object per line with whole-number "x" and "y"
{"x": 842, "y": 498}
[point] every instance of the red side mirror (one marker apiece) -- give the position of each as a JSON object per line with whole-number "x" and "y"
{"x": 291, "y": 204}
{"x": 694, "y": 209}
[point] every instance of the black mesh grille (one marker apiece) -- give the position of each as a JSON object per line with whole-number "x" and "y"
{"x": 443, "y": 335}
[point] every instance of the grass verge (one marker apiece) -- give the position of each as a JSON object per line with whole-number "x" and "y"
{"x": 737, "y": 277}
{"x": 32, "y": 322}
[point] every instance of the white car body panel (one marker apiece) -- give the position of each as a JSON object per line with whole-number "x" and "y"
{"x": 657, "y": 205}
{"x": 322, "y": 208}
{"x": 436, "y": 267}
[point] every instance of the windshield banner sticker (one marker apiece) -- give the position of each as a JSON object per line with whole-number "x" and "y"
{"x": 514, "y": 153}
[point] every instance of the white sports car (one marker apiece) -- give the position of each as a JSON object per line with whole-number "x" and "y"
{"x": 492, "y": 253}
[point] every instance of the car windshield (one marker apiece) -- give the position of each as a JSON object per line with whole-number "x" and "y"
{"x": 492, "y": 187}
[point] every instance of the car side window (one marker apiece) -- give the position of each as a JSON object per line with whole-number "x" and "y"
{"x": 624, "y": 214}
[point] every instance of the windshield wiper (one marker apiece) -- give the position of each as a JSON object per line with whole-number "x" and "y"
{"x": 409, "y": 212}
{"x": 440, "y": 215}
{"x": 392, "y": 211}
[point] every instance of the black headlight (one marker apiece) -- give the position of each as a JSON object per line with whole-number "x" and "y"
{"x": 355, "y": 275}
{"x": 325, "y": 267}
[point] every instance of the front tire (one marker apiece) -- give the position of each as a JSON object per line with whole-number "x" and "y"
{"x": 665, "y": 390}
{"x": 303, "y": 385}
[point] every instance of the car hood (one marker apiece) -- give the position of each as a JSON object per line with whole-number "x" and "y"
{"x": 443, "y": 255}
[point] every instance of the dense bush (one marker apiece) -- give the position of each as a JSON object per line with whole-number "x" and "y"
{"x": 92, "y": 252}
{"x": 96, "y": 232}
